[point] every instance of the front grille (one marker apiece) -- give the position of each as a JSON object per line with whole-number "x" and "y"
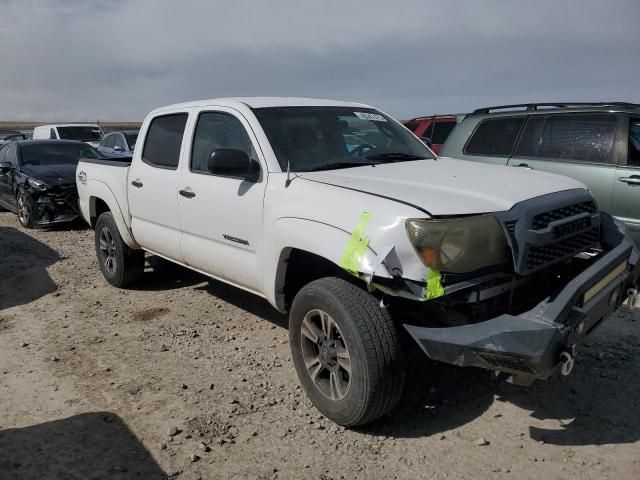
{"x": 538, "y": 257}
{"x": 505, "y": 362}
{"x": 542, "y": 220}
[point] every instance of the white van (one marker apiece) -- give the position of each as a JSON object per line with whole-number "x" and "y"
{"x": 89, "y": 133}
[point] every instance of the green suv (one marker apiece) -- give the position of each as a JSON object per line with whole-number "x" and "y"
{"x": 595, "y": 143}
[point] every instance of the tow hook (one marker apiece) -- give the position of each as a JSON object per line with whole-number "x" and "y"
{"x": 632, "y": 293}
{"x": 567, "y": 361}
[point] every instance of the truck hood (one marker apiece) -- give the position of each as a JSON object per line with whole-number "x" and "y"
{"x": 447, "y": 186}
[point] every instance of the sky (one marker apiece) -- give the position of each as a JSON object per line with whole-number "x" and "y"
{"x": 115, "y": 60}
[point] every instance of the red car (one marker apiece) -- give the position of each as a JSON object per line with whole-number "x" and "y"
{"x": 435, "y": 128}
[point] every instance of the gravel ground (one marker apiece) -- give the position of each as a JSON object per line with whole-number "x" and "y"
{"x": 184, "y": 377}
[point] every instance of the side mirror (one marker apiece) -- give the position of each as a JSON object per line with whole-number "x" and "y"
{"x": 117, "y": 148}
{"x": 230, "y": 162}
{"x": 427, "y": 141}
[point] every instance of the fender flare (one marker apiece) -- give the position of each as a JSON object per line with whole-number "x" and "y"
{"x": 324, "y": 240}
{"x": 101, "y": 191}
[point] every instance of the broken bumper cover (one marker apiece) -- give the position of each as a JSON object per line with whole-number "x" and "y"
{"x": 57, "y": 206}
{"x": 530, "y": 345}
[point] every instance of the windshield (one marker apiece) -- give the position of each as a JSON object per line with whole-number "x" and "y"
{"x": 326, "y": 138}
{"x": 56, "y": 154}
{"x": 84, "y": 134}
{"x": 131, "y": 139}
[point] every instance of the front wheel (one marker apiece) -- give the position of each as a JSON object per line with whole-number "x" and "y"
{"x": 120, "y": 265}
{"x": 346, "y": 351}
{"x": 25, "y": 209}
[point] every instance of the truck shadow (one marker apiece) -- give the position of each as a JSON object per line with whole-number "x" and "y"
{"x": 161, "y": 275}
{"x": 436, "y": 399}
{"x": 90, "y": 445}
{"x": 599, "y": 403}
{"x": 23, "y": 268}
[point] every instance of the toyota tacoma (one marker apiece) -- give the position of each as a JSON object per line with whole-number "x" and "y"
{"x": 486, "y": 266}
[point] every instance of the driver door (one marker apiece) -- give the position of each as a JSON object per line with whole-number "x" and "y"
{"x": 220, "y": 216}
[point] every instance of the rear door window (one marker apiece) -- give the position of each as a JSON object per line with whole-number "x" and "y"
{"x": 441, "y": 131}
{"x": 634, "y": 143}
{"x": 495, "y": 137}
{"x": 531, "y": 137}
{"x": 164, "y": 139}
{"x": 583, "y": 138}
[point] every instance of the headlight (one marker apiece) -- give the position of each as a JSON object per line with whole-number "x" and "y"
{"x": 38, "y": 184}
{"x": 459, "y": 245}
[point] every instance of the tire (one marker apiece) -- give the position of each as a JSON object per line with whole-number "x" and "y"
{"x": 358, "y": 325}
{"x": 25, "y": 209}
{"x": 121, "y": 266}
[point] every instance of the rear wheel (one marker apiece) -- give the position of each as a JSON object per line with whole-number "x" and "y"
{"x": 25, "y": 209}
{"x": 120, "y": 265}
{"x": 346, "y": 351}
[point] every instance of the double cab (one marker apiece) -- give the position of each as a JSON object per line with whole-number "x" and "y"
{"x": 363, "y": 242}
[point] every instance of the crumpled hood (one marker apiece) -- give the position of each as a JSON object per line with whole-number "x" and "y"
{"x": 51, "y": 174}
{"x": 447, "y": 186}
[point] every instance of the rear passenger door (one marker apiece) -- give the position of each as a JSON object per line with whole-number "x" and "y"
{"x": 580, "y": 146}
{"x": 626, "y": 193}
{"x": 221, "y": 216}
{"x": 153, "y": 186}
{"x": 493, "y": 140}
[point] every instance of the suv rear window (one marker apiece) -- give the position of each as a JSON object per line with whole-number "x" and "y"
{"x": 495, "y": 136}
{"x": 164, "y": 139}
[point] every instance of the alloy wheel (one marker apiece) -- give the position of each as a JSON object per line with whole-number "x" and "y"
{"x": 325, "y": 354}
{"x": 108, "y": 250}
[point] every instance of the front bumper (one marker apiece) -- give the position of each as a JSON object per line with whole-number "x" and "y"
{"x": 530, "y": 345}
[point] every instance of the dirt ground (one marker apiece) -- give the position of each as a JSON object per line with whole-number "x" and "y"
{"x": 184, "y": 377}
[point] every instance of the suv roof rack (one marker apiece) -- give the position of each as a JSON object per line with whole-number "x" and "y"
{"x": 536, "y": 106}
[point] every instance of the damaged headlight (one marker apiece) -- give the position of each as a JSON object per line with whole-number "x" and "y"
{"x": 37, "y": 184}
{"x": 459, "y": 245}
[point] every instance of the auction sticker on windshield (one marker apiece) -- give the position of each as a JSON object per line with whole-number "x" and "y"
{"x": 376, "y": 117}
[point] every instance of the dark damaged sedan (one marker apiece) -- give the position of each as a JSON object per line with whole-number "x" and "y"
{"x": 37, "y": 180}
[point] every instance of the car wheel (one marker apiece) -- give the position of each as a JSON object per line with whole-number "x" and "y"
{"x": 25, "y": 209}
{"x": 120, "y": 265}
{"x": 346, "y": 351}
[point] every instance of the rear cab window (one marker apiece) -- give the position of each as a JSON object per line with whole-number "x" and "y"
{"x": 164, "y": 140}
{"x": 495, "y": 137}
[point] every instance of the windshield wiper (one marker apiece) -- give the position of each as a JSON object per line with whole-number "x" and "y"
{"x": 337, "y": 165}
{"x": 394, "y": 156}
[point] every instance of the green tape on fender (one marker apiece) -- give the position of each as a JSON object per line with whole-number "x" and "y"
{"x": 434, "y": 287}
{"x": 356, "y": 246}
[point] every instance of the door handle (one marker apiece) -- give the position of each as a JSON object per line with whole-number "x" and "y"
{"x": 137, "y": 183}
{"x": 187, "y": 193}
{"x": 632, "y": 180}
{"x": 523, "y": 165}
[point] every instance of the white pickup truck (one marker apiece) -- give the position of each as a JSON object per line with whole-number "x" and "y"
{"x": 339, "y": 215}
